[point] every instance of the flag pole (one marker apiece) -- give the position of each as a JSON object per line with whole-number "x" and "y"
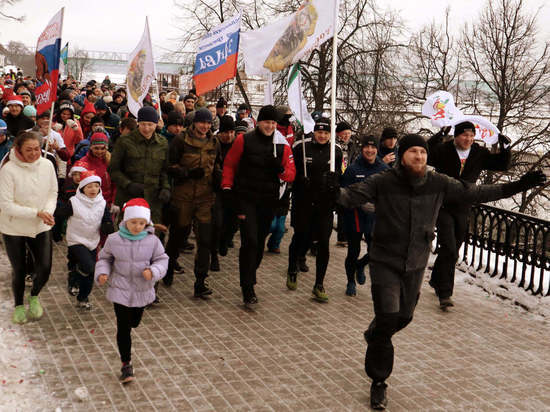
{"x": 302, "y": 121}
{"x": 54, "y": 91}
{"x": 333, "y": 90}
{"x": 154, "y": 66}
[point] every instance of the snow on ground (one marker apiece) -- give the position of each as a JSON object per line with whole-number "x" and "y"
{"x": 21, "y": 385}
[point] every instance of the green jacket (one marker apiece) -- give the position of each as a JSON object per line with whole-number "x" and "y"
{"x": 136, "y": 159}
{"x": 188, "y": 152}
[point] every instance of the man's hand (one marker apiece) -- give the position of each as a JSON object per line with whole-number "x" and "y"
{"x": 390, "y": 157}
{"x": 101, "y": 279}
{"x": 504, "y": 141}
{"x": 46, "y": 218}
{"x": 532, "y": 179}
{"x": 147, "y": 274}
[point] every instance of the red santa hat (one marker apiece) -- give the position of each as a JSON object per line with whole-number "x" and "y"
{"x": 15, "y": 99}
{"x": 88, "y": 177}
{"x": 137, "y": 208}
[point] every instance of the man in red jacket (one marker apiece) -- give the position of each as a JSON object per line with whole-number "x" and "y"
{"x": 254, "y": 168}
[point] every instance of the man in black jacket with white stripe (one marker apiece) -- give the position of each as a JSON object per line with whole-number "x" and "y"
{"x": 462, "y": 159}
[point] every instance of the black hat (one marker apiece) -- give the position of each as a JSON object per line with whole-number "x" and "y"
{"x": 268, "y": 113}
{"x": 202, "y": 115}
{"x": 221, "y": 103}
{"x": 340, "y": 127}
{"x": 45, "y": 113}
{"x": 96, "y": 119}
{"x": 241, "y": 127}
{"x": 409, "y": 141}
{"x": 242, "y": 107}
{"x": 189, "y": 96}
{"x": 226, "y": 124}
{"x": 322, "y": 124}
{"x": 367, "y": 140}
{"x": 463, "y": 126}
{"x": 388, "y": 133}
{"x": 174, "y": 118}
{"x": 148, "y": 114}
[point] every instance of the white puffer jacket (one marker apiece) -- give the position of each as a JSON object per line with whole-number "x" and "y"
{"x": 26, "y": 189}
{"x": 84, "y": 225}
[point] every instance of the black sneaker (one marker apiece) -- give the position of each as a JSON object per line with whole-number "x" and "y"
{"x": 202, "y": 289}
{"x": 444, "y": 303}
{"x": 223, "y": 249}
{"x": 378, "y": 398}
{"x": 215, "y": 264}
{"x": 188, "y": 247}
{"x": 230, "y": 244}
{"x": 249, "y": 296}
{"x": 84, "y": 304}
{"x": 178, "y": 269}
{"x": 127, "y": 373}
{"x": 303, "y": 265}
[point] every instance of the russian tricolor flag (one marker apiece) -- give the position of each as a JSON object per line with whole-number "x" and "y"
{"x": 217, "y": 55}
{"x": 48, "y": 49}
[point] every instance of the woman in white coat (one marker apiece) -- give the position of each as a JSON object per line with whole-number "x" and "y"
{"x": 28, "y": 196}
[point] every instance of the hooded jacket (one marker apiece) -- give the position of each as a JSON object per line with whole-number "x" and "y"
{"x": 18, "y": 123}
{"x": 26, "y": 189}
{"x": 84, "y": 224}
{"x": 124, "y": 260}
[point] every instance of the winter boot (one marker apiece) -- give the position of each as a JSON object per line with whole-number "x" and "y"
{"x": 360, "y": 274}
{"x": 444, "y": 303}
{"x": 35, "y": 311}
{"x": 319, "y": 294}
{"x": 201, "y": 288}
{"x": 249, "y": 296}
{"x": 127, "y": 373}
{"x": 351, "y": 289}
{"x": 19, "y": 315}
{"x": 378, "y": 398}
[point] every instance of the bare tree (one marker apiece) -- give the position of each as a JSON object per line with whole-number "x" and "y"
{"x": 513, "y": 71}
{"x": 4, "y": 4}
{"x": 20, "y": 55}
{"x": 78, "y": 63}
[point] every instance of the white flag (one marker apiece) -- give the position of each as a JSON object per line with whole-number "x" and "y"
{"x": 296, "y": 101}
{"x": 281, "y": 44}
{"x": 141, "y": 72}
{"x": 440, "y": 108}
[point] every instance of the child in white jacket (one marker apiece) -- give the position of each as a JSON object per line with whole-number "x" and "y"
{"x": 88, "y": 218}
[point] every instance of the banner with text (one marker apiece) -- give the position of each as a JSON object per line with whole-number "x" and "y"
{"x": 217, "y": 55}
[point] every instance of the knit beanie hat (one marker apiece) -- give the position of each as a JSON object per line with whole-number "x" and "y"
{"x": 148, "y": 114}
{"x": 174, "y": 118}
{"x": 29, "y": 111}
{"x": 243, "y": 107}
{"x": 15, "y": 99}
{"x": 226, "y": 124}
{"x": 388, "y": 133}
{"x": 221, "y": 103}
{"x": 99, "y": 138}
{"x": 340, "y": 127}
{"x": 3, "y": 127}
{"x": 87, "y": 177}
{"x": 88, "y": 108}
{"x": 322, "y": 124}
{"x": 202, "y": 115}
{"x": 136, "y": 208}
{"x": 189, "y": 96}
{"x": 463, "y": 126}
{"x": 409, "y": 141}
{"x": 101, "y": 105}
{"x": 268, "y": 113}
{"x": 369, "y": 140}
{"x": 45, "y": 113}
{"x": 66, "y": 105}
{"x": 240, "y": 127}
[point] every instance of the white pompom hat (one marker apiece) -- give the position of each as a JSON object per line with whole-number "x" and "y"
{"x": 88, "y": 177}
{"x": 137, "y": 208}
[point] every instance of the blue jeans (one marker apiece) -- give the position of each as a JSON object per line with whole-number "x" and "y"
{"x": 82, "y": 260}
{"x": 277, "y": 231}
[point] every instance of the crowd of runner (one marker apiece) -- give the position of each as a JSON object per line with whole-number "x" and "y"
{"x": 126, "y": 191}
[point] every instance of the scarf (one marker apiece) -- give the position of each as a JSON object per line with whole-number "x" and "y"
{"x": 125, "y": 233}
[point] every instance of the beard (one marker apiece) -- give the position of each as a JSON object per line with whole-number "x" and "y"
{"x": 415, "y": 171}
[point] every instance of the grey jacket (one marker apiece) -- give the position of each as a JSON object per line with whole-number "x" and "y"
{"x": 406, "y": 212}
{"x": 124, "y": 260}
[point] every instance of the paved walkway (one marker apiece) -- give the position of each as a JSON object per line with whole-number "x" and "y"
{"x": 290, "y": 353}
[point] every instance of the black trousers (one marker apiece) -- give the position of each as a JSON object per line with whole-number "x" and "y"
{"x": 126, "y": 319}
{"x": 178, "y": 237}
{"x": 82, "y": 261}
{"x": 452, "y": 227}
{"x": 342, "y": 235}
{"x": 352, "y": 258}
{"x": 395, "y": 295}
{"x": 40, "y": 248}
{"x": 309, "y": 220}
{"x": 217, "y": 226}
{"x": 254, "y": 231}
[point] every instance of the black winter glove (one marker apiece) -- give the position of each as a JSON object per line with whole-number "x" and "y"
{"x": 196, "y": 173}
{"x": 164, "y": 195}
{"x": 331, "y": 182}
{"x": 504, "y": 141}
{"x": 135, "y": 189}
{"x": 526, "y": 182}
{"x": 274, "y": 163}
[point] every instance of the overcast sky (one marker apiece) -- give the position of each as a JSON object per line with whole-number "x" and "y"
{"x": 117, "y": 25}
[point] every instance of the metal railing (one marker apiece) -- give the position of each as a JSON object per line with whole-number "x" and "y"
{"x": 510, "y": 245}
